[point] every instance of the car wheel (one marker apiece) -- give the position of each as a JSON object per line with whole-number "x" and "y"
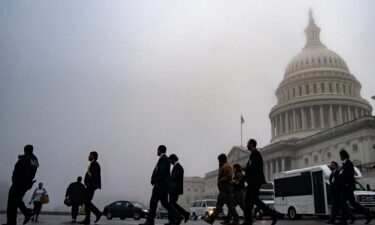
{"x": 109, "y": 215}
{"x": 292, "y": 213}
{"x": 258, "y": 214}
{"x": 137, "y": 216}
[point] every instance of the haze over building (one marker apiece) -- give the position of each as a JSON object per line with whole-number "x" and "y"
{"x": 319, "y": 112}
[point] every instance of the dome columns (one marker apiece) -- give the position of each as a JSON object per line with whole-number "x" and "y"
{"x": 313, "y": 118}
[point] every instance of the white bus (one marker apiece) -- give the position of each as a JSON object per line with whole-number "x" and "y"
{"x": 306, "y": 192}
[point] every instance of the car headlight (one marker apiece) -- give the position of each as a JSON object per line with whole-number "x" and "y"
{"x": 145, "y": 210}
{"x": 210, "y": 211}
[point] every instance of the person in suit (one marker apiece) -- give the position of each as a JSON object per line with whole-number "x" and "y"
{"x": 22, "y": 181}
{"x": 224, "y": 183}
{"x": 92, "y": 182}
{"x": 335, "y": 190}
{"x": 254, "y": 178}
{"x": 347, "y": 179}
{"x": 161, "y": 180}
{"x": 177, "y": 178}
{"x": 75, "y": 193}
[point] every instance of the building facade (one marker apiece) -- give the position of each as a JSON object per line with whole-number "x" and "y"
{"x": 319, "y": 112}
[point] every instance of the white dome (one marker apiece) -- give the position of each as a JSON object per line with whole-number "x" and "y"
{"x": 315, "y": 57}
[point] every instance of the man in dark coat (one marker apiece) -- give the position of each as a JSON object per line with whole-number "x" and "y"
{"x": 75, "y": 193}
{"x": 177, "y": 178}
{"x": 347, "y": 179}
{"x": 92, "y": 182}
{"x": 161, "y": 180}
{"x": 254, "y": 178}
{"x": 335, "y": 190}
{"x": 22, "y": 181}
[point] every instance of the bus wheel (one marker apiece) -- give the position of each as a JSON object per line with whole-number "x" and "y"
{"x": 292, "y": 213}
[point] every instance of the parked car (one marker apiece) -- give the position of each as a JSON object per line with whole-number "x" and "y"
{"x": 200, "y": 208}
{"x": 125, "y": 209}
{"x": 161, "y": 213}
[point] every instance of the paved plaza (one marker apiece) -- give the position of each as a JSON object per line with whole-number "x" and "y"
{"x": 63, "y": 220}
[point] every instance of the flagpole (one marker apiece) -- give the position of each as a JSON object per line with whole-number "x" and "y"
{"x": 241, "y": 130}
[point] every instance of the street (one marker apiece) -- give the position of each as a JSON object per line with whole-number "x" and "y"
{"x": 59, "y": 220}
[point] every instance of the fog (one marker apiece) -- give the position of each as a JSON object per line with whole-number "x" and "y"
{"x": 122, "y": 77}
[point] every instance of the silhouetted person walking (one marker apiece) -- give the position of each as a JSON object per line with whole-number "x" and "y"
{"x": 161, "y": 181}
{"x": 36, "y": 199}
{"x": 92, "y": 182}
{"x": 22, "y": 181}
{"x": 346, "y": 176}
{"x": 224, "y": 183}
{"x": 254, "y": 178}
{"x": 238, "y": 183}
{"x": 335, "y": 190}
{"x": 177, "y": 178}
{"x": 75, "y": 193}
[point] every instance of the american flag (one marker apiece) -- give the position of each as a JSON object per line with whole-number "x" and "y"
{"x": 242, "y": 120}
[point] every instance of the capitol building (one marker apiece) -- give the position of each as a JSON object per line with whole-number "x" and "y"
{"x": 319, "y": 111}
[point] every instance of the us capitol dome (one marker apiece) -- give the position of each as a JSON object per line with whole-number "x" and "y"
{"x": 318, "y": 92}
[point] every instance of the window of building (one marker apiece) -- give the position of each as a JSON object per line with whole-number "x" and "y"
{"x": 350, "y": 90}
{"x": 355, "y": 148}
{"x": 294, "y": 92}
{"x": 344, "y": 88}
{"x": 337, "y": 88}
{"x": 330, "y": 87}
{"x": 306, "y": 161}
{"x": 322, "y": 87}
{"x": 329, "y": 155}
{"x": 300, "y": 91}
{"x": 315, "y": 158}
{"x": 307, "y": 89}
{"x": 315, "y": 89}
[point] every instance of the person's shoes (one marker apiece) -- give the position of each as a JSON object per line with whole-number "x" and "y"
{"x": 179, "y": 220}
{"x": 234, "y": 222}
{"x": 352, "y": 220}
{"x": 98, "y": 217}
{"x": 342, "y": 223}
{"x": 208, "y": 220}
{"x": 147, "y": 223}
{"x": 187, "y": 217}
{"x": 28, "y": 216}
{"x": 85, "y": 222}
{"x": 274, "y": 220}
{"x": 368, "y": 220}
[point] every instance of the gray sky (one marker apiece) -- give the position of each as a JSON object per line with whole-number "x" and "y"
{"x": 122, "y": 77}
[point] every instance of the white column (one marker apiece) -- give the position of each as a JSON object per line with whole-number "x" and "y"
{"x": 356, "y": 112}
{"x": 277, "y": 165}
{"x": 350, "y": 117}
{"x": 331, "y": 124}
{"x": 341, "y": 119}
{"x": 294, "y": 120}
{"x": 312, "y": 117}
{"x": 281, "y": 124}
{"x": 303, "y": 119}
{"x": 266, "y": 170}
{"x": 271, "y": 169}
{"x": 287, "y": 122}
{"x": 321, "y": 117}
{"x": 282, "y": 164}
